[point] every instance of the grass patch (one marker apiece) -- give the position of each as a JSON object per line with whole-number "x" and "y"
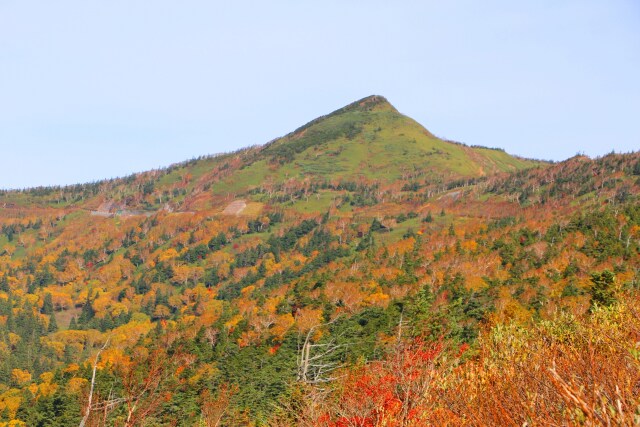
{"x": 63, "y": 318}
{"x": 317, "y": 203}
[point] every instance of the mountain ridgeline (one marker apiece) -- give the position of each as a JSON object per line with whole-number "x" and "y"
{"x": 368, "y": 141}
{"x": 357, "y": 271}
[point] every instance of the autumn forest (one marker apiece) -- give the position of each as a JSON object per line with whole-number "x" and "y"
{"x": 359, "y": 271}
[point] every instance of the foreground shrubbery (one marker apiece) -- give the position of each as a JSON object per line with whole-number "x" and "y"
{"x": 570, "y": 370}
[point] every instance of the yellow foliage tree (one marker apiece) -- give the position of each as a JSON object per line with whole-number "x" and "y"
{"x": 20, "y": 376}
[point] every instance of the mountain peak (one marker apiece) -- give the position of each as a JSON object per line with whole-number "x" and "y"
{"x": 369, "y": 138}
{"x": 368, "y": 103}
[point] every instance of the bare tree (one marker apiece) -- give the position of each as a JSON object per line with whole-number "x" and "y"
{"x": 314, "y": 359}
{"x": 87, "y": 410}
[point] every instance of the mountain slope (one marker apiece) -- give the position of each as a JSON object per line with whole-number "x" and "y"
{"x": 369, "y": 139}
{"x": 366, "y": 141}
{"x": 360, "y": 237}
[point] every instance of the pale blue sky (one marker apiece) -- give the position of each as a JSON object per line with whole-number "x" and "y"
{"x": 97, "y": 89}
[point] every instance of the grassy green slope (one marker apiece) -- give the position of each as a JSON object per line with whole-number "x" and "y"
{"x": 370, "y": 139}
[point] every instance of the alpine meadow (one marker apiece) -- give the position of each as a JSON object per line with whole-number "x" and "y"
{"x": 359, "y": 271}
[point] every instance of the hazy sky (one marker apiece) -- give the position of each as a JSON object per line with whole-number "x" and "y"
{"x": 97, "y": 89}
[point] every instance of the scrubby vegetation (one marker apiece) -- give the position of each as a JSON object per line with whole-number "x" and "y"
{"x": 570, "y": 370}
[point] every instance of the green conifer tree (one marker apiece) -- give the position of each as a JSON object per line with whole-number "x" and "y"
{"x": 47, "y": 304}
{"x": 53, "y": 324}
{"x": 603, "y": 291}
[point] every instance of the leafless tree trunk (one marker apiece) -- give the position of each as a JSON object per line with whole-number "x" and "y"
{"x": 87, "y": 411}
{"x": 313, "y": 366}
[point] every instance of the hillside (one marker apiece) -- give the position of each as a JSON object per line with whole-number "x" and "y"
{"x": 330, "y": 277}
{"x": 366, "y": 141}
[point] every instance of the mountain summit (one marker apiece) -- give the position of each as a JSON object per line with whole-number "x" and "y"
{"x": 370, "y": 139}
